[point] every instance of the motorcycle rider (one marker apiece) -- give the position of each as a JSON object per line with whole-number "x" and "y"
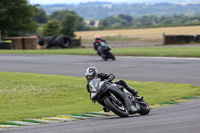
{"x": 97, "y": 44}
{"x": 92, "y": 72}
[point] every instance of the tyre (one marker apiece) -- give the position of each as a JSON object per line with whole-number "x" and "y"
{"x": 144, "y": 107}
{"x": 119, "y": 110}
{"x": 63, "y": 41}
{"x": 111, "y": 55}
{"x": 45, "y": 42}
{"x": 104, "y": 58}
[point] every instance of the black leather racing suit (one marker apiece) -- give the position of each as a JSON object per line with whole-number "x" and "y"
{"x": 110, "y": 77}
{"x": 97, "y": 45}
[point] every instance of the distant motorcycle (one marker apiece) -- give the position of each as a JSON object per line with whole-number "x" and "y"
{"x": 116, "y": 98}
{"x": 105, "y": 52}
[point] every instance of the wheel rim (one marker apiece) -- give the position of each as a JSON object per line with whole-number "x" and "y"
{"x": 118, "y": 106}
{"x": 143, "y": 104}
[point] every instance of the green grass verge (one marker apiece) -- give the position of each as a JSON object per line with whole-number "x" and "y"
{"x": 25, "y": 95}
{"x": 132, "y": 51}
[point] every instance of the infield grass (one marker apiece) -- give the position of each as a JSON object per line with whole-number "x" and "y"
{"x": 25, "y": 95}
{"x": 131, "y": 51}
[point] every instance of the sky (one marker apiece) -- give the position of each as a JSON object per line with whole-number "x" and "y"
{"x": 70, "y": 1}
{"x": 49, "y": 2}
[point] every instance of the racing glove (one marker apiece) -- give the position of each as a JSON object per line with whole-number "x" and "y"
{"x": 111, "y": 77}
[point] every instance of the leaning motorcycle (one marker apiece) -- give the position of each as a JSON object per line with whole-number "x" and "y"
{"x": 116, "y": 98}
{"x": 105, "y": 51}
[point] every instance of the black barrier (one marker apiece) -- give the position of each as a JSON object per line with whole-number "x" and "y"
{"x": 197, "y": 39}
{"x": 5, "y": 45}
{"x": 179, "y": 39}
{"x": 61, "y": 41}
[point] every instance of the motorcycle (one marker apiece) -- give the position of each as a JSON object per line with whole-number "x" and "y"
{"x": 116, "y": 98}
{"x": 105, "y": 51}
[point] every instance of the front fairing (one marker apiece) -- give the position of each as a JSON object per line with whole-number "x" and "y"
{"x": 97, "y": 88}
{"x": 94, "y": 87}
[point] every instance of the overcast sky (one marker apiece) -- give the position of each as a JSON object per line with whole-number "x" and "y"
{"x": 70, "y": 1}
{"x": 83, "y": 1}
{"x": 48, "y": 2}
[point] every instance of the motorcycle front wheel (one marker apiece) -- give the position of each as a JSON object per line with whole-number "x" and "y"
{"x": 118, "y": 109}
{"x": 144, "y": 107}
{"x": 111, "y": 55}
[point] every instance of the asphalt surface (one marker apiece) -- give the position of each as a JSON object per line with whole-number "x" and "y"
{"x": 182, "y": 118}
{"x": 159, "y": 69}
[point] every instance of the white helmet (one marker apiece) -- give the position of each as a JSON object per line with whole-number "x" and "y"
{"x": 97, "y": 37}
{"x": 90, "y": 73}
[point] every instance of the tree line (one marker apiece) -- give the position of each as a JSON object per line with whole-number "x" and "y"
{"x": 59, "y": 22}
{"x": 119, "y": 21}
{"x": 19, "y": 17}
{"x": 101, "y": 10}
{"x": 16, "y": 17}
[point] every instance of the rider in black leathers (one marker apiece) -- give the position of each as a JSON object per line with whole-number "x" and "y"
{"x": 97, "y": 44}
{"x": 92, "y": 72}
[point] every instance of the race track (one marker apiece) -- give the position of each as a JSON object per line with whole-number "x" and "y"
{"x": 184, "y": 118}
{"x": 181, "y": 118}
{"x": 159, "y": 69}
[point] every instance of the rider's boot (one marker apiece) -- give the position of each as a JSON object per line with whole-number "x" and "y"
{"x": 105, "y": 109}
{"x": 132, "y": 91}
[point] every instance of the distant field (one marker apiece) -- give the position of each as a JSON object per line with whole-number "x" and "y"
{"x": 148, "y": 32}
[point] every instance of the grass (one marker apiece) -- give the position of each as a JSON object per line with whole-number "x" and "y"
{"x": 131, "y": 51}
{"x": 160, "y": 51}
{"x": 25, "y": 95}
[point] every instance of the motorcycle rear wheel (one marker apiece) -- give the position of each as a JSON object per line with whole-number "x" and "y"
{"x": 118, "y": 110}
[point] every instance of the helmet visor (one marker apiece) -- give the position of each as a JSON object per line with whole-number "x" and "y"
{"x": 89, "y": 77}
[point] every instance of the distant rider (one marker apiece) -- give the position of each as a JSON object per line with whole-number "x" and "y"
{"x": 92, "y": 72}
{"x": 97, "y": 44}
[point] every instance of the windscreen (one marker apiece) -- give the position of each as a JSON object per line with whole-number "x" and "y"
{"x": 94, "y": 84}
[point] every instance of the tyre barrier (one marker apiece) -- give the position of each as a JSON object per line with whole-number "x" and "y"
{"x": 180, "y": 39}
{"x": 5, "y": 45}
{"x": 44, "y": 42}
{"x": 61, "y": 41}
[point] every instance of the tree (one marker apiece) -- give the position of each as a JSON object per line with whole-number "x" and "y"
{"x": 16, "y": 17}
{"x": 52, "y": 28}
{"x": 69, "y": 24}
{"x": 103, "y": 24}
{"x": 167, "y": 21}
{"x": 59, "y": 15}
{"x": 128, "y": 18}
{"x": 41, "y": 16}
{"x": 113, "y": 21}
{"x": 80, "y": 25}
